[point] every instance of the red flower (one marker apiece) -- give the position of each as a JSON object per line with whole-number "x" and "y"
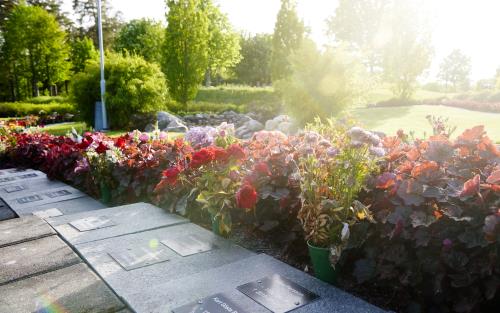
{"x": 202, "y": 157}
{"x": 246, "y": 197}
{"x": 262, "y": 168}
{"x": 171, "y": 175}
{"x": 221, "y": 155}
{"x": 236, "y": 152}
{"x": 101, "y": 148}
{"x": 120, "y": 143}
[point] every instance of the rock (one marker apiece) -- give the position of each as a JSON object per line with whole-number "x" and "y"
{"x": 271, "y": 125}
{"x": 165, "y": 119}
{"x": 254, "y": 125}
{"x": 176, "y": 126}
{"x": 285, "y": 127}
{"x": 149, "y": 128}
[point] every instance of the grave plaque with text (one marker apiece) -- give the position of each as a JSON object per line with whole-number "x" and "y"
{"x": 15, "y": 188}
{"x": 278, "y": 294}
{"x": 29, "y": 199}
{"x": 58, "y": 193}
{"x": 91, "y": 223}
{"x": 30, "y": 175}
{"x": 48, "y": 213}
{"x": 218, "y": 303}
{"x": 189, "y": 245}
{"x": 7, "y": 179}
{"x": 133, "y": 258}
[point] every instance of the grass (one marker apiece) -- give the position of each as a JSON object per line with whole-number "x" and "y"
{"x": 412, "y": 118}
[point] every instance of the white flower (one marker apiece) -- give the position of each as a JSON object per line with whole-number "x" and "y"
{"x": 345, "y": 233}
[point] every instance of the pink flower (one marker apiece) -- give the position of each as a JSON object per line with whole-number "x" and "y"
{"x": 144, "y": 137}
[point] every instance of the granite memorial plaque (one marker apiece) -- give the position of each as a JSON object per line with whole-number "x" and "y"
{"x": 29, "y": 199}
{"x": 189, "y": 245}
{"x": 7, "y": 179}
{"x": 278, "y": 294}
{"x": 14, "y": 188}
{"x": 91, "y": 223}
{"x": 6, "y": 212}
{"x": 218, "y": 303}
{"x": 133, "y": 258}
{"x": 58, "y": 193}
{"x": 26, "y": 176}
{"x": 48, "y": 213}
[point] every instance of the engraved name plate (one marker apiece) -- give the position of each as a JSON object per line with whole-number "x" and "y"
{"x": 218, "y": 303}
{"x": 189, "y": 245}
{"x": 16, "y": 188}
{"x": 58, "y": 193}
{"x": 278, "y": 294}
{"x": 91, "y": 223}
{"x": 29, "y": 199}
{"x": 133, "y": 258}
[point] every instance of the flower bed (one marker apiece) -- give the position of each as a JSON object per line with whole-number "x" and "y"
{"x": 418, "y": 218}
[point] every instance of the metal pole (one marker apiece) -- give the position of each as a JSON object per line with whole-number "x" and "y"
{"x": 101, "y": 51}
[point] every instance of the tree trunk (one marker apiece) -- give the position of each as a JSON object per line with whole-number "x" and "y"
{"x": 208, "y": 78}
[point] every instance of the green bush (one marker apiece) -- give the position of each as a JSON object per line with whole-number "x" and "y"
{"x": 20, "y": 109}
{"x": 204, "y": 107}
{"x": 133, "y": 86}
{"x": 48, "y": 100}
{"x": 322, "y": 84}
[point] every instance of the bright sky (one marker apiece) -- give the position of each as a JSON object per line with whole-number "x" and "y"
{"x": 472, "y": 26}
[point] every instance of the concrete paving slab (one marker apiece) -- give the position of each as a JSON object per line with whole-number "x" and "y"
{"x": 77, "y": 205}
{"x": 8, "y": 179}
{"x": 225, "y": 279}
{"x": 98, "y": 255}
{"x": 23, "y": 229}
{"x": 127, "y": 219}
{"x": 34, "y": 257}
{"x": 23, "y": 202}
{"x": 74, "y": 289}
{"x": 48, "y": 213}
{"x": 18, "y": 188}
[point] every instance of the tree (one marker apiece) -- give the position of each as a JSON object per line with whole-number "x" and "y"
{"x": 322, "y": 84}
{"x": 255, "y": 65}
{"x": 407, "y": 52}
{"x": 455, "y": 70}
{"x": 35, "y": 49}
{"x": 82, "y": 50}
{"x": 143, "y": 37}
{"x": 288, "y": 35}
{"x": 360, "y": 24}
{"x": 86, "y": 16}
{"x": 54, "y": 8}
{"x": 223, "y": 44}
{"x": 186, "y": 48}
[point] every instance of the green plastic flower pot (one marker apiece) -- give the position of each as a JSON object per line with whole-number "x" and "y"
{"x": 320, "y": 258}
{"x": 215, "y": 224}
{"x": 105, "y": 193}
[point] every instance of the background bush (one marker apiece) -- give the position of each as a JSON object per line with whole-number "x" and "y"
{"x": 20, "y": 109}
{"x": 132, "y": 86}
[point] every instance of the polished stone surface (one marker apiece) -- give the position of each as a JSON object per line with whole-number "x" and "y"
{"x": 12, "y": 178}
{"x": 28, "y": 200}
{"x": 14, "y": 190}
{"x": 83, "y": 204}
{"x": 127, "y": 219}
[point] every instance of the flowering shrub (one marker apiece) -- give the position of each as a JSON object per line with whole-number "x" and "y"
{"x": 437, "y": 207}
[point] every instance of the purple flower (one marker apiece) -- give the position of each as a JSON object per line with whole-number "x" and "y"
{"x": 324, "y": 143}
{"x": 163, "y": 135}
{"x": 200, "y": 137}
{"x": 447, "y": 244}
{"x": 332, "y": 152}
{"x": 377, "y": 151}
{"x": 312, "y": 137}
{"x": 144, "y": 137}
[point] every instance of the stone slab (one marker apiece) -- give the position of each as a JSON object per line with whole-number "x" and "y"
{"x": 13, "y": 171}
{"x": 13, "y": 190}
{"x": 6, "y": 212}
{"x": 23, "y": 229}
{"x": 97, "y": 255}
{"x": 74, "y": 289}
{"x": 83, "y": 204}
{"x": 26, "y": 200}
{"x": 34, "y": 257}
{"x": 225, "y": 279}
{"x": 128, "y": 219}
{"x": 8, "y": 179}
{"x": 48, "y": 213}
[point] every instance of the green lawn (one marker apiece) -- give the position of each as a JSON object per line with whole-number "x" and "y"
{"x": 389, "y": 120}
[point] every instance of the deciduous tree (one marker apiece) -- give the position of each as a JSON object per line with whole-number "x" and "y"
{"x": 455, "y": 70}
{"x": 255, "y": 65}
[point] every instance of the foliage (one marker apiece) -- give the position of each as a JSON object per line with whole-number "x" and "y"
{"x": 255, "y": 66}
{"x": 143, "y": 37}
{"x": 407, "y": 53}
{"x": 360, "y": 24}
{"x": 186, "y": 48}
{"x": 441, "y": 126}
{"x": 20, "y": 109}
{"x": 35, "y": 51}
{"x": 334, "y": 168}
{"x": 132, "y": 86}
{"x": 289, "y": 32}
{"x": 322, "y": 85}
{"x": 82, "y": 50}
{"x": 455, "y": 71}
{"x": 223, "y": 43}
{"x": 438, "y": 224}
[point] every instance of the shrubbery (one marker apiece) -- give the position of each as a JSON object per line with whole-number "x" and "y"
{"x": 20, "y": 109}
{"x": 132, "y": 86}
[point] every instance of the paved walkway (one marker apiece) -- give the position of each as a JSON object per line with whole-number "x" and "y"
{"x": 69, "y": 253}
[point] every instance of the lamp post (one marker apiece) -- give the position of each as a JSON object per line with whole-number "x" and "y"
{"x": 101, "y": 122}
